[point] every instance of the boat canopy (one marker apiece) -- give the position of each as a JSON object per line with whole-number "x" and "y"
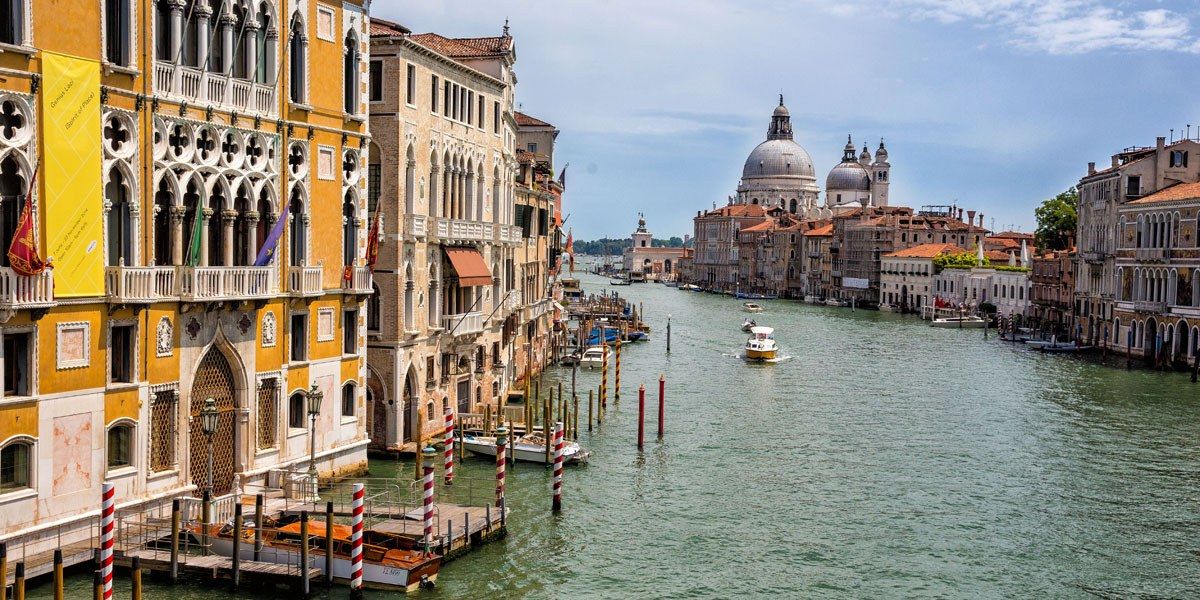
{"x": 762, "y": 330}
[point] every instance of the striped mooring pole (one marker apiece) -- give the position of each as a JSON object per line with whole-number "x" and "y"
{"x": 558, "y": 466}
{"x": 603, "y": 372}
{"x": 501, "y": 442}
{"x": 448, "y": 445}
{"x": 617, "y": 383}
{"x": 356, "y": 541}
{"x": 429, "y": 453}
{"x": 108, "y": 506}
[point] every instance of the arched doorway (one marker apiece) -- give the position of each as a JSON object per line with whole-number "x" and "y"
{"x": 377, "y": 412}
{"x": 214, "y": 379}
{"x": 1150, "y": 341}
{"x": 410, "y": 399}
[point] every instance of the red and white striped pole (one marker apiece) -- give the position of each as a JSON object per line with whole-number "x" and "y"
{"x": 449, "y": 445}
{"x": 429, "y": 453}
{"x": 108, "y": 505}
{"x": 356, "y": 541}
{"x": 558, "y": 465}
{"x": 501, "y": 445}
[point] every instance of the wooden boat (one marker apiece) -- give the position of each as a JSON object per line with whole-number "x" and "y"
{"x": 569, "y": 360}
{"x": 637, "y": 336}
{"x": 1064, "y": 348}
{"x": 390, "y": 561}
{"x": 753, "y": 307}
{"x": 761, "y": 345}
{"x": 748, "y": 324}
{"x": 593, "y": 358}
{"x": 969, "y": 322}
{"x": 528, "y": 448}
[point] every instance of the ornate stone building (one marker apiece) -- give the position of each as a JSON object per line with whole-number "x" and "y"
{"x": 193, "y": 129}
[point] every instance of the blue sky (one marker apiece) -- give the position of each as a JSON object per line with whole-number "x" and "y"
{"x": 990, "y": 104}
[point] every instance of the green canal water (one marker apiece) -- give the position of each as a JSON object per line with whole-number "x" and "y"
{"x": 884, "y": 458}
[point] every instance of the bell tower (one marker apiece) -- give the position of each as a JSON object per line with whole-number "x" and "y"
{"x": 880, "y": 176}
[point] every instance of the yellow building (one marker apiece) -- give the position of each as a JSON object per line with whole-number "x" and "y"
{"x": 172, "y": 136}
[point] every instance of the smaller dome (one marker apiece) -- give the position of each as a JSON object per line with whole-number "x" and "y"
{"x": 849, "y": 176}
{"x": 864, "y": 156}
{"x": 781, "y": 110}
{"x": 881, "y": 154}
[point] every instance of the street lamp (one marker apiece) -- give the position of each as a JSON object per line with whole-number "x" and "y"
{"x": 209, "y": 418}
{"x": 314, "y": 397}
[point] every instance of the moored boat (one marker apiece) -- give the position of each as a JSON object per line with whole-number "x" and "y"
{"x": 527, "y": 448}
{"x": 968, "y": 322}
{"x": 593, "y": 357}
{"x": 761, "y": 345}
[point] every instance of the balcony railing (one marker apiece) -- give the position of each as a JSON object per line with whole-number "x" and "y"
{"x": 414, "y": 227}
{"x": 1153, "y": 254}
{"x": 217, "y": 89}
{"x": 1149, "y": 306}
{"x": 507, "y": 234}
{"x": 139, "y": 285}
{"x": 464, "y": 324}
{"x": 214, "y": 284}
{"x": 18, "y": 292}
{"x": 537, "y": 309}
{"x": 359, "y": 282}
{"x": 304, "y": 281}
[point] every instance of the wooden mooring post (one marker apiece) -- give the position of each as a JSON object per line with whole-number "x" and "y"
{"x": 19, "y": 581}
{"x": 3, "y": 571}
{"x": 304, "y": 581}
{"x": 58, "y": 574}
{"x": 258, "y": 524}
{"x": 617, "y": 381}
{"x": 97, "y": 585}
{"x": 662, "y": 393}
{"x": 641, "y": 425}
{"x": 175, "y": 523}
{"x": 135, "y": 572}
{"x": 329, "y": 543}
{"x": 235, "y": 574}
{"x": 589, "y": 411}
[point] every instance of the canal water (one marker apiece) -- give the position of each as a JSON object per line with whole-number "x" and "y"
{"x": 884, "y": 458}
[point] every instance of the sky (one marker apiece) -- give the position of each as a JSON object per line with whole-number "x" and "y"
{"x": 993, "y": 105}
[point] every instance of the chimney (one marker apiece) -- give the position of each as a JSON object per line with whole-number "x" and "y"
{"x": 960, "y": 213}
{"x": 1115, "y": 163}
{"x": 981, "y": 220}
{"x": 1160, "y": 143}
{"x": 1092, "y": 168}
{"x": 971, "y": 216}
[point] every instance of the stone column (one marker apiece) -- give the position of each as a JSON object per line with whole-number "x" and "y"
{"x": 202, "y": 15}
{"x": 228, "y": 217}
{"x": 176, "y": 30}
{"x": 270, "y": 49}
{"x": 251, "y": 57}
{"x": 226, "y": 43}
{"x": 251, "y": 217}
{"x": 177, "y": 215}
{"x": 205, "y": 215}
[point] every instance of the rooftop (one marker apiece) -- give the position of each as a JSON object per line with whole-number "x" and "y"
{"x": 525, "y": 120}
{"x": 462, "y": 48}
{"x": 1179, "y": 191}
{"x": 926, "y": 251}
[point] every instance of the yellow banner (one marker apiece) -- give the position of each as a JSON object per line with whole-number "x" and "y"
{"x": 72, "y": 160}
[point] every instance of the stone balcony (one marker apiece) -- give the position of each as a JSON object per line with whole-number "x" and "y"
{"x": 218, "y": 284}
{"x": 1153, "y": 254}
{"x": 198, "y": 86}
{"x": 462, "y": 230}
{"x": 464, "y": 324}
{"x": 536, "y": 309}
{"x": 1149, "y": 306}
{"x": 508, "y": 235}
{"x": 140, "y": 285}
{"x": 359, "y": 282}
{"x": 304, "y": 282}
{"x": 415, "y": 227}
{"x": 18, "y": 292}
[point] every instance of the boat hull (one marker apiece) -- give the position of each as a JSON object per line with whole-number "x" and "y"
{"x": 760, "y": 354}
{"x": 525, "y": 453}
{"x": 959, "y": 324}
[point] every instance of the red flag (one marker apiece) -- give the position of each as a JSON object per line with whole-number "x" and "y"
{"x": 570, "y": 243}
{"x": 23, "y": 253}
{"x": 373, "y": 243}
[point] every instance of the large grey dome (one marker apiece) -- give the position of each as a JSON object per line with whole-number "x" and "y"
{"x": 778, "y": 158}
{"x": 848, "y": 175}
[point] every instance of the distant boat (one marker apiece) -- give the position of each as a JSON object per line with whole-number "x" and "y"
{"x": 610, "y": 335}
{"x": 637, "y": 336}
{"x": 836, "y": 302}
{"x": 618, "y": 282}
{"x": 753, "y": 307}
{"x": 748, "y": 324}
{"x": 969, "y": 322}
{"x": 754, "y": 296}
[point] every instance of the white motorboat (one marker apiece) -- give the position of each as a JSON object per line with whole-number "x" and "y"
{"x": 593, "y": 358}
{"x": 753, "y": 307}
{"x": 761, "y": 345}
{"x": 528, "y": 448}
{"x": 390, "y": 561}
{"x": 748, "y": 324}
{"x": 836, "y": 302}
{"x": 969, "y": 322}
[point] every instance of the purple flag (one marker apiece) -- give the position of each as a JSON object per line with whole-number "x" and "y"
{"x": 267, "y": 252}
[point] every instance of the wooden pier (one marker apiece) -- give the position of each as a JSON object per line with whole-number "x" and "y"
{"x": 216, "y": 567}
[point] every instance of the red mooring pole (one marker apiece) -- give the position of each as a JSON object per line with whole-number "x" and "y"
{"x": 558, "y": 466}
{"x": 662, "y": 393}
{"x": 641, "y": 415}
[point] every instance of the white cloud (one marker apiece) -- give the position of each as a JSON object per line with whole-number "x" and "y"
{"x": 1062, "y": 26}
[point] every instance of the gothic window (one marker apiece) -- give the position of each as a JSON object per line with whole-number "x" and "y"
{"x": 162, "y": 28}
{"x": 192, "y": 36}
{"x": 120, "y": 446}
{"x": 264, "y": 214}
{"x": 238, "y": 25}
{"x": 348, "y": 400}
{"x": 242, "y": 227}
{"x": 374, "y": 176}
{"x": 373, "y": 309}
{"x": 120, "y": 220}
{"x": 16, "y": 466}
{"x": 297, "y": 60}
{"x": 296, "y": 233}
{"x": 264, "y": 50}
{"x": 217, "y": 203}
{"x": 12, "y": 200}
{"x": 349, "y": 229}
{"x": 268, "y": 413}
{"x": 117, "y": 32}
{"x": 162, "y": 223}
{"x": 350, "y": 74}
{"x": 191, "y": 220}
{"x": 163, "y": 410}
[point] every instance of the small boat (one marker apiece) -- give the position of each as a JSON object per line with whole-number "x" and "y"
{"x": 753, "y": 307}
{"x": 754, "y": 296}
{"x": 569, "y": 360}
{"x": 618, "y": 282}
{"x": 671, "y": 283}
{"x": 528, "y": 448}
{"x": 391, "y": 561}
{"x": 1064, "y": 348}
{"x": 836, "y": 302}
{"x": 748, "y": 324}
{"x": 969, "y": 322}
{"x": 610, "y": 335}
{"x": 637, "y": 336}
{"x": 637, "y": 277}
{"x": 761, "y": 345}
{"x": 691, "y": 288}
{"x": 593, "y": 357}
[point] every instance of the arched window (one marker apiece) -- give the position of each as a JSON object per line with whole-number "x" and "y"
{"x": 410, "y": 182}
{"x": 296, "y": 230}
{"x": 120, "y": 220}
{"x": 12, "y": 200}
{"x": 348, "y": 400}
{"x": 120, "y": 446}
{"x": 217, "y": 203}
{"x": 373, "y": 309}
{"x": 191, "y": 220}
{"x": 238, "y": 60}
{"x": 162, "y": 223}
{"x": 409, "y": 300}
{"x": 16, "y": 466}
{"x": 374, "y": 179}
{"x": 296, "y": 409}
{"x": 264, "y": 224}
{"x": 297, "y": 61}
{"x": 349, "y": 229}
{"x": 350, "y": 73}
{"x": 162, "y": 31}
{"x": 264, "y": 49}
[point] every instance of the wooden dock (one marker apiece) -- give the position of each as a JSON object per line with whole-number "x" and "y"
{"x": 215, "y": 567}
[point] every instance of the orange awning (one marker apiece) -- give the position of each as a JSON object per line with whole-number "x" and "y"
{"x": 468, "y": 264}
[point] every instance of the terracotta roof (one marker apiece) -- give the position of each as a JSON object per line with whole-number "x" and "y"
{"x": 1011, "y": 235}
{"x": 764, "y": 226}
{"x": 821, "y": 231}
{"x": 383, "y": 28}
{"x": 996, "y": 255}
{"x": 926, "y": 251}
{"x": 528, "y": 121}
{"x": 1179, "y": 191}
{"x": 738, "y": 210}
{"x": 483, "y": 47}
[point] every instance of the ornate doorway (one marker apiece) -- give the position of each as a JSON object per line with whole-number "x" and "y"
{"x": 410, "y": 399}
{"x": 214, "y": 379}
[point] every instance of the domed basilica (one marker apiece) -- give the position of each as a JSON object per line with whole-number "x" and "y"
{"x": 779, "y": 173}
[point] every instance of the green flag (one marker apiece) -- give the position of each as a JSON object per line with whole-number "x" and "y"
{"x": 193, "y": 251}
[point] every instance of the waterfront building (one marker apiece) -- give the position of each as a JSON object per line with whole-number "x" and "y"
{"x": 715, "y": 264}
{"x": 1158, "y": 289}
{"x": 1052, "y": 284}
{"x": 1134, "y": 173}
{"x": 1011, "y": 243}
{"x": 766, "y": 251}
{"x": 818, "y": 261}
{"x": 442, "y": 186}
{"x": 208, "y": 239}
{"x": 653, "y": 262}
{"x": 1011, "y": 291}
{"x": 906, "y": 276}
